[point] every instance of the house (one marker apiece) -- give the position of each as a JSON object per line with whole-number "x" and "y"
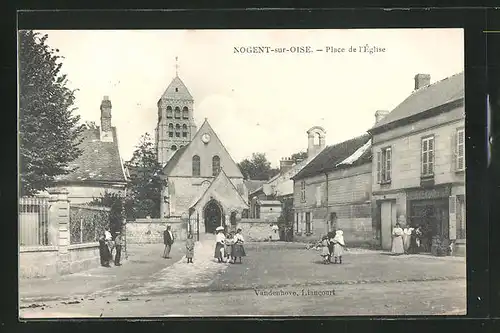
{"x": 201, "y": 177}
{"x": 276, "y": 195}
{"x": 100, "y": 167}
{"x": 333, "y": 192}
{"x": 418, "y": 176}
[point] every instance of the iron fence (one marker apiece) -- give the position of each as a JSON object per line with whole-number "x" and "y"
{"x": 33, "y": 221}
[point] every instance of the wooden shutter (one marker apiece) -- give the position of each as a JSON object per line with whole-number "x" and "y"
{"x": 388, "y": 166}
{"x": 460, "y": 149}
{"x": 379, "y": 157}
{"x": 318, "y": 195}
{"x": 452, "y": 207}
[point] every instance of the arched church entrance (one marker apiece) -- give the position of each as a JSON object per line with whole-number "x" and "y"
{"x": 212, "y": 215}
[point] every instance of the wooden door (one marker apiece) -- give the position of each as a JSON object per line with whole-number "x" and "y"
{"x": 386, "y": 216}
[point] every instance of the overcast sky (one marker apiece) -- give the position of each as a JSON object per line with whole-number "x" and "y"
{"x": 255, "y": 102}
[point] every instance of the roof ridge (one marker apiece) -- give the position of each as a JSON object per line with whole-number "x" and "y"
{"x": 434, "y": 83}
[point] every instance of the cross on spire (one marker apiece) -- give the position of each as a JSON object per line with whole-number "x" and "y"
{"x": 176, "y": 66}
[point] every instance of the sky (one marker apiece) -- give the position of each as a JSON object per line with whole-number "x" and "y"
{"x": 255, "y": 102}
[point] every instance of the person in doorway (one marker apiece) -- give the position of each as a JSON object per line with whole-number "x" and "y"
{"x": 118, "y": 247}
{"x": 238, "y": 249}
{"x": 220, "y": 240}
{"x": 104, "y": 251}
{"x": 338, "y": 246}
{"x": 168, "y": 240}
{"x": 397, "y": 240}
{"x": 407, "y": 231}
{"x": 189, "y": 248}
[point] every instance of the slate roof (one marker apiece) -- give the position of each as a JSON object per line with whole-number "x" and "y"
{"x": 426, "y": 98}
{"x": 182, "y": 93}
{"x": 329, "y": 157}
{"x": 173, "y": 160}
{"x": 100, "y": 161}
{"x": 253, "y": 185}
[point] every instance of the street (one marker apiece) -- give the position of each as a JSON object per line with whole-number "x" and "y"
{"x": 275, "y": 279}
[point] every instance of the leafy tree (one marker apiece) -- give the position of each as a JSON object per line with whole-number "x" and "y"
{"x": 257, "y": 168}
{"x": 300, "y": 156}
{"x": 115, "y": 202}
{"x": 48, "y": 129}
{"x": 145, "y": 185}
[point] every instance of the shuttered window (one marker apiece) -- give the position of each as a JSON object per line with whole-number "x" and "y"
{"x": 384, "y": 165}
{"x": 308, "y": 222}
{"x": 428, "y": 156}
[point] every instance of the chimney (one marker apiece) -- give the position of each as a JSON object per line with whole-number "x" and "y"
{"x": 422, "y": 80}
{"x": 106, "y": 134}
{"x": 286, "y": 164}
{"x": 379, "y": 114}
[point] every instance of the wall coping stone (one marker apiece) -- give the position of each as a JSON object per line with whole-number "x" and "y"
{"x": 41, "y": 248}
{"x": 83, "y": 246}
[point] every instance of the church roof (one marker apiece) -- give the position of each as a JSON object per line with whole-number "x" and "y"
{"x": 426, "y": 98}
{"x": 172, "y": 162}
{"x": 336, "y": 157}
{"x": 100, "y": 161}
{"x": 177, "y": 90}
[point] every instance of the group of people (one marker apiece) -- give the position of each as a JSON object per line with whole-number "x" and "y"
{"x": 229, "y": 246}
{"x": 106, "y": 246}
{"x": 406, "y": 240}
{"x": 333, "y": 245}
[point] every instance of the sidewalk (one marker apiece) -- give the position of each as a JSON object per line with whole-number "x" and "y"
{"x": 143, "y": 261}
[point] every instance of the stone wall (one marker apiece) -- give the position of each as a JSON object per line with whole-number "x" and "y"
{"x": 37, "y": 261}
{"x": 150, "y": 231}
{"x": 255, "y": 230}
{"x": 83, "y": 256}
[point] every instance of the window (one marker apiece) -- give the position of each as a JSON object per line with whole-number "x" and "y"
{"x": 303, "y": 191}
{"x": 185, "y": 113}
{"x": 428, "y": 156}
{"x": 176, "y": 89}
{"x": 178, "y": 131}
{"x": 177, "y": 113}
{"x": 184, "y": 131}
{"x": 169, "y": 112}
{"x": 171, "y": 130}
{"x": 384, "y": 164}
{"x": 308, "y": 223}
{"x": 460, "y": 149}
{"x": 296, "y": 222}
{"x": 215, "y": 165}
{"x": 174, "y": 147}
{"x": 196, "y": 166}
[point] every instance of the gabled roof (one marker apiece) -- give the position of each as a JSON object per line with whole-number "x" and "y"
{"x": 426, "y": 98}
{"x": 253, "y": 185}
{"x": 100, "y": 161}
{"x": 181, "y": 93}
{"x": 329, "y": 159}
{"x": 221, "y": 175}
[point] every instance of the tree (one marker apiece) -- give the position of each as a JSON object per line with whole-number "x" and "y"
{"x": 145, "y": 185}
{"x": 115, "y": 203}
{"x": 257, "y": 168}
{"x": 300, "y": 156}
{"x": 48, "y": 129}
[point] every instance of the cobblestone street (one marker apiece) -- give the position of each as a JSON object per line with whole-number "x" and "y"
{"x": 368, "y": 282}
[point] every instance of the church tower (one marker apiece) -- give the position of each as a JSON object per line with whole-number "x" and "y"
{"x": 175, "y": 128}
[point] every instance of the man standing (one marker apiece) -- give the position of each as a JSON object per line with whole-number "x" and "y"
{"x": 168, "y": 240}
{"x": 118, "y": 247}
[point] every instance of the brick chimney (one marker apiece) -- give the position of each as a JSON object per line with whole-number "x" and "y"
{"x": 422, "y": 80}
{"x": 286, "y": 164}
{"x": 379, "y": 114}
{"x": 105, "y": 130}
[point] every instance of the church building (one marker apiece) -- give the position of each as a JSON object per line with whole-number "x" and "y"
{"x": 202, "y": 180}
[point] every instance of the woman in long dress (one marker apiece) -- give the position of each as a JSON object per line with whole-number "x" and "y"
{"x": 190, "y": 248}
{"x": 219, "y": 244}
{"x": 338, "y": 246}
{"x": 407, "y": 238}
{"x": 275, "y": 235}
{"x": 397, "y": 240}
{"x": 238, "y": 249}
{"x": 228, "y": 244}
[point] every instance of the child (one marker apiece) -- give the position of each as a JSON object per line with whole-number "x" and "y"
{"x": 338, "y": 246}
{"x": 190, "y": 248}
{"x": 228, "y": 246}
{"x": 325, "y": 251}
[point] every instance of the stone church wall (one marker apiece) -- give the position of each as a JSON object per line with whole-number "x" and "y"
{"x": 150, "y": 231}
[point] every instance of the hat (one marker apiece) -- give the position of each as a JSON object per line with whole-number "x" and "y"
{"x": 219, "y": 228}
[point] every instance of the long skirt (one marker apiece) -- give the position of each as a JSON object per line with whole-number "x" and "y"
{"x": 406, "y": 242}
{"x": 227, "y": 250}
{"x": 338, "y": 250}
{"x": 238, "y": 251}
{"x": 275, "y": 236}
{"x": 218, "y": 253}
{"x": 190, "y": 252}
{"x": 397, "y": 245}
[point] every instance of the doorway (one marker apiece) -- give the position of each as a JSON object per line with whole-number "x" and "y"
{"x": 213, "y": 216}
{"x": 432, "y": 217}
{"x": 387, "y": 222}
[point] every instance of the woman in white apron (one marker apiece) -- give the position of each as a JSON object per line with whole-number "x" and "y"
{"x": 397, "y": 240}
